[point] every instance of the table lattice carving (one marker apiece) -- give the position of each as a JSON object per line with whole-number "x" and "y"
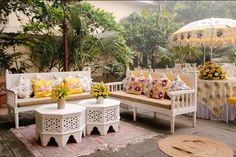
{"x": 60, "y": 123}
{"x": 102, "y": 116}
{"x": 71, "y": 123}
{"x": 94, "y": 116}
{"x": 111, "y": 115}
{"x": 82, "y": 118}
{"x": 51, "y": 124}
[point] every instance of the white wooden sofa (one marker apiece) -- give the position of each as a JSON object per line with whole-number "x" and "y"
{"x": 181, "y": 102}
{"x": 16, "y": 105}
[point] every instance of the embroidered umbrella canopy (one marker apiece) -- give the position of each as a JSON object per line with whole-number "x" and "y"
{"x": 212, "y": 32}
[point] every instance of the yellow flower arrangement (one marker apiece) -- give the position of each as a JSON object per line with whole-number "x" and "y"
{"x": 99, "y": 89}
{"x": 211, "y": 71}
{"x": 60, "y": 91}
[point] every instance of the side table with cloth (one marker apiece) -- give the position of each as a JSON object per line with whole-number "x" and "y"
{"x": 212, "y": 99}
{"x": 101, "y": 116}
{"x": 60, "y": 123}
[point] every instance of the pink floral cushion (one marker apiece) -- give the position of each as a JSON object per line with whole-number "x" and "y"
{"x": 136, "y": 86}
{"x": 158, "y": 89}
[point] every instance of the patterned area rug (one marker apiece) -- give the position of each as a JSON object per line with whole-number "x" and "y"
{"x": 128, "y": 134}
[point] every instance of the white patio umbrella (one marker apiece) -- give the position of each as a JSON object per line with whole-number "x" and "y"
{"x": 212, "y": 32}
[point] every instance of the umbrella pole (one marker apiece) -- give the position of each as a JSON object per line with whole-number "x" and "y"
{"x": 204, "y": 55}
{"x": 211, "y": 42}
{"x": 211, "y": 52}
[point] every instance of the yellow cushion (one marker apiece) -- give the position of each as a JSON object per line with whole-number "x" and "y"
{"x": 158, "y": 89}
{"x": 42, "y": 88}
{"x": 231, "y": 100}
{"x": 74, "y": 85}
{"x": 136, "y": 86}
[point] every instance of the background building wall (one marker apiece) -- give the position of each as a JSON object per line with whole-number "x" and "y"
{"x": 121, "y": 9}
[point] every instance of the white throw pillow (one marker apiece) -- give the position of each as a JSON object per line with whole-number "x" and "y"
{"x": 148, "y": 84}
{"x": 86, "y": 83}
{"x": 23, "y": 87}
{"x": 56, "y": 80}
{"x": 177, "y": 84}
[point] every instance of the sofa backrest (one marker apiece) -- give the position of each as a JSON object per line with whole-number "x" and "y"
{"x": 189, "y": 78}
{"x": 11, "y": 79}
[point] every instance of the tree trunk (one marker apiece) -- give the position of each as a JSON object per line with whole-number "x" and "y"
{"x": 145, "y": 61}
{"x": 15, "y": 57}
{"x": 65, "y": 36}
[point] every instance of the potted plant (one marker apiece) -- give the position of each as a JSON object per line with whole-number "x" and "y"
{"x": 60, "y": 93}
{"x": 5, "y": 63}
{"x": 2, "y": 94}
{"x": 100, "y": 91}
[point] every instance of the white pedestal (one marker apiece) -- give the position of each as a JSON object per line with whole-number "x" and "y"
{"x": 102, "y": 115}
{"x": 60, "y": 123}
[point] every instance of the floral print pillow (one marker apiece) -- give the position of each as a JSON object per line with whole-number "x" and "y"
{"x": 42, "y": 88}
{"x": 23, "y": 88}
{"x": 177, "y": 84}
{"x": 74, "y": 84}
{"x": 126, "y": 81}
{"x": 141, "y": 77}
{"x": 158, "y": 88}
{"x": 148, "y": 84}
{"x": 136, "y": 86}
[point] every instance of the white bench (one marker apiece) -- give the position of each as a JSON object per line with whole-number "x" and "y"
{"x": 181, "y": 102}
{"x": 16, "y": 105}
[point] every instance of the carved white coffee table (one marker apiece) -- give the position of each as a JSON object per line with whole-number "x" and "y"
{"x": 60, "y": 123}
{"x": 101, "y": 116}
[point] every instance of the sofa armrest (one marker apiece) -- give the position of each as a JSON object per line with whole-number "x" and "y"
{"x": 182, "y": 99}
{"x": 11, "y": 97}
{"x": 115, "y": 86}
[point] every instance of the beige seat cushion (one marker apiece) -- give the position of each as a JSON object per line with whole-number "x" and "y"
{"x": 163, "y": 103}
{"x": 47, "y": 100}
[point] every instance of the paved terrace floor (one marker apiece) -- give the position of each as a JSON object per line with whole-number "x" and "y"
{"x": 10, "y": 146}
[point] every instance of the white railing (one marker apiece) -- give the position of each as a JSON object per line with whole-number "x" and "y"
{"x": 182, "y": 99}
{"x": 115, "y": 86}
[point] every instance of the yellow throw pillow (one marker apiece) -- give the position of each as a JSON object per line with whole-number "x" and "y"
{"x": 74, "y": 85}
{"x": 135, "y": 86}
{"x": 42, "y": 88}
{"x": 158, "y": 89}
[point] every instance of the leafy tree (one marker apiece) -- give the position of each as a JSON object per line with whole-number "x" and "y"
{"x": 12, "y": 40}
{"x": 189, "y": 11}
{"x": 94, "y": 38}
{"x": 184, "y": 54}
{"x": 5, "y": 59}
{"x": 225, "y": 54}
{"x": 146, "y": 32}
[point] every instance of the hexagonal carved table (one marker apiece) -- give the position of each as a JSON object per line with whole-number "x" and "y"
{"x": 60, "y": 123}
{"x": 101, "y": 116}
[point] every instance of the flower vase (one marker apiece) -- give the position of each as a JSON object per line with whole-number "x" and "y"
{"x": 100, "y": 100}
{"x": 60, "y": 103}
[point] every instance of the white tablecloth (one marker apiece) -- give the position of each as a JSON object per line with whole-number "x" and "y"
{"x": 212, "y": 98}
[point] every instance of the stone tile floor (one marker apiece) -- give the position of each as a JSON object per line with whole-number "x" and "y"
{"x": 10, "y": 146}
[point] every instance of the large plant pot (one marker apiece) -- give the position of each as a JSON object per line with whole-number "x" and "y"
{"x": 2, "y": 98}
